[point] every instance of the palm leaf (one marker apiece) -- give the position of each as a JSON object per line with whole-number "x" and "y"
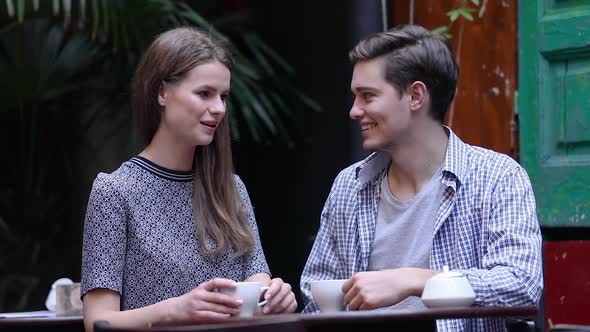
{"x": 122, "y": 29}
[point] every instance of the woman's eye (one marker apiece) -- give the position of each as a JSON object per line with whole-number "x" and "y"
{"x": 224, "y": 97}
{"x": 204, "y": 94}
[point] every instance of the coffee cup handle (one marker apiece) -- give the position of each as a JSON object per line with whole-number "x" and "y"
{"x": 262, "y": 303}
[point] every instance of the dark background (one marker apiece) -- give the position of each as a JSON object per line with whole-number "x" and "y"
{"x": 288, "y": 186}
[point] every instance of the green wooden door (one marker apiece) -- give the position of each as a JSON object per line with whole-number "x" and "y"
{"x": 554, "y": 107}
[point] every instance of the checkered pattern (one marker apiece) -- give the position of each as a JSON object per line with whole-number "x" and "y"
{"x": 486, "y": 227}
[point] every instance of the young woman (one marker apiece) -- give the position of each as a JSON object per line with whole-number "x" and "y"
{"x": 173, "y": 225}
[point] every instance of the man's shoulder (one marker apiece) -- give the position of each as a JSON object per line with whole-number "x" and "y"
{"x": 489, "y": 160}
{"x": 345, "y": 182}
{"x": 487, "y": 168}
{"x": 349, "y": 175}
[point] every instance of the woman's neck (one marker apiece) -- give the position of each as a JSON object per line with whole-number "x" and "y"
{"x": 166, "y": 151}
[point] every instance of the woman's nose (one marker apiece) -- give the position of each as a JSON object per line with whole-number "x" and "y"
{"x": 218, "y": 106}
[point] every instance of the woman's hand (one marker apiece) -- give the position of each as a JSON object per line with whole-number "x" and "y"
{"x": 279, "y": 297}
{"x": 203, "y": 304}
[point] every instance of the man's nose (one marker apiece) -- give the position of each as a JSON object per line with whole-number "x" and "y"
{"x": 356, "y": 112}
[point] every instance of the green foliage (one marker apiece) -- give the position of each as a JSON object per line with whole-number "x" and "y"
{"x": 454, "y": 14}
{"x": 263, "y": 102}
{"x": 463, "y": 11}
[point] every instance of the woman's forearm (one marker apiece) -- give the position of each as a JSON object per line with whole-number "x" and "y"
{"x": 155, "y": 314}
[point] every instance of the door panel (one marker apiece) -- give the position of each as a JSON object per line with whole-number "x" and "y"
{"x": 554, "y": 104}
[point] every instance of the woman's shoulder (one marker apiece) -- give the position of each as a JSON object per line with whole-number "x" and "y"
{"x": 240, "y": 186}
{"x": 118, "y": 181}
{"x": 238, "y": 180}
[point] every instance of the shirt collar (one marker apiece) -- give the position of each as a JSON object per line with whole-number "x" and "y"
{"x": 373, "y": 167}
{"x": 456, "y": 158}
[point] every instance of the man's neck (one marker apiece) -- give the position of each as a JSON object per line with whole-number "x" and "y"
{"x": 168, "y": 151}
{"x": 415, "y": 162}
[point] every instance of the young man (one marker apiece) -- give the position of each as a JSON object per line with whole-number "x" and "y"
{"x": 424, "y": 199}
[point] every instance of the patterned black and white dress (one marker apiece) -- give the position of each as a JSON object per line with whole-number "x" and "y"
{"x": 140, "y": 240}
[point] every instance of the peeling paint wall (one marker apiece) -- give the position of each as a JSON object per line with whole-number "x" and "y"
{"x": 485, "y": 48}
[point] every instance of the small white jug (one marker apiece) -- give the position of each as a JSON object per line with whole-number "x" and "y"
{"x": 448, "y": 289}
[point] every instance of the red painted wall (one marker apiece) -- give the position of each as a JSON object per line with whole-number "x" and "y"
{"x": 567, "y": 271}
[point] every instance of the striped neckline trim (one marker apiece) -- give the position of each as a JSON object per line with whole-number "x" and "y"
{"x": 179, "y": 176}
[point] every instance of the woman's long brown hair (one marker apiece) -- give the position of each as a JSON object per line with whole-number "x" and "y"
{"x": 218, "y": 210}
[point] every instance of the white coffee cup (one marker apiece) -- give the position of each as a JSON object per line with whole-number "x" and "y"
{"x": 51, "y": 302}
{"x": 68, "y": 301}
{"x": 249, "y": 292}
{"x": 328, "y": 295}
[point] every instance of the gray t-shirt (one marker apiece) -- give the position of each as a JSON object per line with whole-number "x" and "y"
{"x": 403, "y": 235}
{"x": 140, "y": 240}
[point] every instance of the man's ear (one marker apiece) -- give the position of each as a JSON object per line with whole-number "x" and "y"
{"x": 419, "y": 95}
{"x": 162, "y": 93}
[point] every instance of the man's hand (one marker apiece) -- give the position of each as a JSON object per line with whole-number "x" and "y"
{"x": 376, "y": 289}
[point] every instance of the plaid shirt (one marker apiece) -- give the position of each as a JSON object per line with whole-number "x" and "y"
{"x": 486, "y": 228}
